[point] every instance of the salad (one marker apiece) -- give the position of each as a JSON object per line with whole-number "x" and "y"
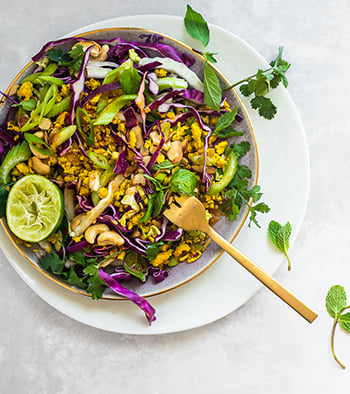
{"x": 98, "y": 140}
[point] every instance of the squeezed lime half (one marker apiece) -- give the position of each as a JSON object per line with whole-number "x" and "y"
{"x": 35, "y": 208}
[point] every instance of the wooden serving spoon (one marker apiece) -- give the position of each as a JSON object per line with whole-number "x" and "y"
{"x": 188, "y": 213}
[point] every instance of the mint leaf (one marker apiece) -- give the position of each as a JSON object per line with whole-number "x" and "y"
{"x": 196, "y": 26}
{"x": 164, "y": 165}
{"x": 130, "y": 80}
{"x": 212, "y": 88}
{"x": 345, "y": 321}
{"x": 225, "y": 120}
{"x": 209, "y": 56}
{"x": 335, "y": 301}
{"x": 279, "y": 235}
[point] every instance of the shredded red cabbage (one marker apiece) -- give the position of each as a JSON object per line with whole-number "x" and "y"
{"x": 157, "y": 151}
{"x": 130, "y": 118}
{"x": 101, "y": 89}
{"x": 77, "y": 87}
{"x": 122, "y": 164}
{"x": 157, "y": 273}
{"x": 114, "y": 285}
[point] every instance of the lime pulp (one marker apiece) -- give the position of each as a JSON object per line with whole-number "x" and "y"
{"x": 35, "y": 208}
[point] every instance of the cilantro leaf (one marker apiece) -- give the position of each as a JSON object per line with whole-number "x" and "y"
{"x": 96, "y": 284}
{"x": 153, "y": 249}
{"x": 76, "y": 280}
{"x": 71, "y": 59}
{"x": 53, "y": 263}
{"x": 279, "y": 235}
{"x": 245, "y": 90}
{"x": 265, "y": 106}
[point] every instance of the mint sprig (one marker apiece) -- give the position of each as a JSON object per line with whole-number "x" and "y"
{"x": 336, "y": 305}
{"x": 279, "y": 235}
{"x": 197, "y": 27}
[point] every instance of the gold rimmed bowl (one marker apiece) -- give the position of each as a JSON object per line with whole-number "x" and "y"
{"x": 184, "y": 272}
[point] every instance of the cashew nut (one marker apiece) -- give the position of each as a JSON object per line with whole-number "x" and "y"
{"x": 138, "y": 134}
{"x": 139, "y": 179}
{"x": 155, "y": 137}
{"x": 76, "y": 221}
{"x": 175, "y": 152}
{"x": 39, "y": 167}
{"x": 95, "y": 51}
{"x": 45, "y": 124}
{"x": 93, "y": 231}
{"x": 94, "y": 181}
{"x": 36, "y": 153}
{"x": 110, "y": 238}
{"x": 103, "y": 55}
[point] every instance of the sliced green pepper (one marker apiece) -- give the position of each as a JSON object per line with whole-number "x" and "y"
{"x": 227, "y": 176}
{"x": 107, "y": 115}
{"x": 16, "y": 155}
{"x": 174, "y": 83}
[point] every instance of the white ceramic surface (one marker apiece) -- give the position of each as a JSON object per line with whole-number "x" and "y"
{"x": 225, "y": 286}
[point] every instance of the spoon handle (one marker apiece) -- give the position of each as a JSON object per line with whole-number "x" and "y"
{"x": 263, "y": 277}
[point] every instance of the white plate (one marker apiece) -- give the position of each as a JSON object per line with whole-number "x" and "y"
{"x": 283, "y": 176}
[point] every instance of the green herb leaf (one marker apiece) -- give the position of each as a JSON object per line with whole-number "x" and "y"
{"x": 183, "y": 182}
{"x": 28, "y": 105}
{"x": 279, "y": 235}
{"x": 164, "y": 165}
{"x": 71, "y": 59}
{"x": 80, "y": 112}
{"x": 209, "y": 56}
{"x": 153, "y": 250}
{"x": 196, "y": 26}
{"x": 33, "y": 140}
{"x": 130, "y": 80}
{"x": 212, "y": 88}
{"x": 266, "y": 107}
{"x": 53, "y": 263}
{"x": 335, "y": 301}
{"x": 225, "y": 120}
{"x": 76, "y": 280}
{"x": 96, "y": 285}
{"x": 136, "y": 265}
{"x": 345, "y": 321}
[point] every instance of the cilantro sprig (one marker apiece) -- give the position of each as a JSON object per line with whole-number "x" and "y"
{"x": 261, "y": 83}
{"x": 238, "y": 193}
{"x": 258, "y": 84}
{"x": 336, "y": 305}
{"x": 71, "y": 59}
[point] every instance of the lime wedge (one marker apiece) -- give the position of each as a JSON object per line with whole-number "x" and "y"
{"x": 34, "y": 208}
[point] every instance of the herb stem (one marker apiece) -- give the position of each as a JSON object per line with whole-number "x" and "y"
{"x": 336, "y": 320}
{"x": 332, "y": 343}
{"x": 289, "y": 263}
{"x": 245, "y": 80}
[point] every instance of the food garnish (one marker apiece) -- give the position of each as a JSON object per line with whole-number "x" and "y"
{"x": 279, "y": 235}
{"x": 336, "y": 305}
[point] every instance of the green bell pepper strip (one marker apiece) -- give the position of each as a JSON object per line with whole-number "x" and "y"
{"x": 16, "y": 155}
{"x": 90, "y": 139}
{"x": 227, "y": 176}
{"x": 99, "y": 160}
{"x": 174, "y": 83}
{"x": 107, "y": 115}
